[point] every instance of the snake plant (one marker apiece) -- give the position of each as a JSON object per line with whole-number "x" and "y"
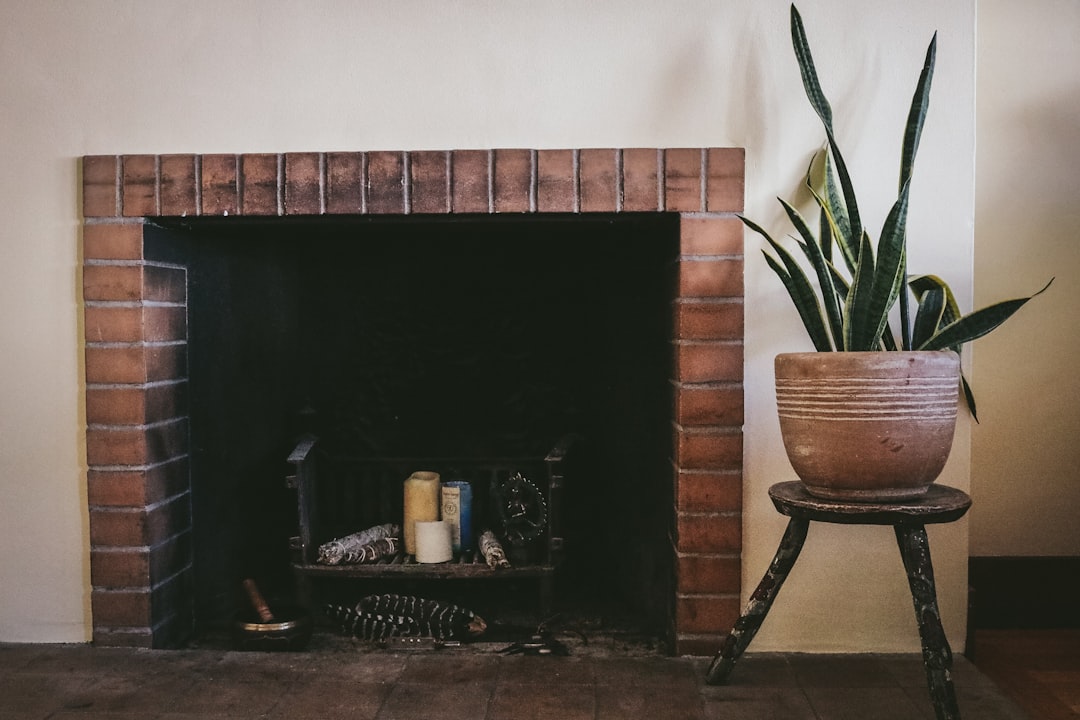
{"x": 850, "y": 311}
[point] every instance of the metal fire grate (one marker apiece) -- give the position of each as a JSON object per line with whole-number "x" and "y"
{"x": 338, "y": 495}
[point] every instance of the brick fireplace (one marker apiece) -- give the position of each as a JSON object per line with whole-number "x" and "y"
{"x": 136, "y": 332}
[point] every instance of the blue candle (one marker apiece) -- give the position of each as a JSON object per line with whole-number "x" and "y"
{"x": 457, "y": 511}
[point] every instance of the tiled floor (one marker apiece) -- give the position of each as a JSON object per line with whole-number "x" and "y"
{"x": 1038, "y": 668}
{"x": 86, "y": 683}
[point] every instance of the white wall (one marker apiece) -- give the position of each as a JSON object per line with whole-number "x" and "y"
{"x": 1026, "y": 457}
{"x": 259, "y": 75}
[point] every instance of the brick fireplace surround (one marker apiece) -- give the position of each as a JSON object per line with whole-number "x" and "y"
{"x": 136, "y": 334}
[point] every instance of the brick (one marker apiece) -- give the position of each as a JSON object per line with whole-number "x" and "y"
{"x": 711, "y": 278}
{"x": 178, "y": 182}
{"x": 116, "y": 405}
{"x": 137, "y": 637}
{"x": 697, "y": 362}
{"x": 599, "y": 180}
{"x": 725, "y": 179}
{"x": 696, "y": 614}
{"x": 135, "y": 445}
{"x": 114, "y": 323}
{"x": 220, "y": 194}
{"x": 429, "y": 177}
{"x": 708, "y": 533}
{"x": 701, "y": 645}
{"x": 174, "y": 630}
{"x": 344, "y": 183}
{"x": 135, "y": 363}
{"x": 555, "y": 184}
{"x": 112, "y": 282}
{"x": 162, "y": 283}
{"x": 172, "y": 600}
{"x": 108, "y": 241}
{"x": 386, "y": 183}
{"x": 709, "y": 405}
{"x": 513, "y": 181}
{"x": 137, "y": 487}
{"x": 723, "y": 320}
{"x": 100, "y": 186}
{"x": 259, "y": 185}
{"x": 170, "y": 557}
{"x": 117, "y": 527}
{"x": 139, "y": 186}
{"x": 120, "y": 568}
{"x": 705, "y": 491}
{"x": 167, "y": 519}
{"x": 682, "y": 180}
{"x": 710, "y": 236}
{"x": 641, "y": 181}
{"x": 133, "y": 323}
{"x": 303, "y": 184}
{"x": 167, "y": 479}
{"x": 133, "y": 405}
{"x": 121, "y": 608}
{"x": 710, "y": 574}
{"x": 116, "y": 488}
{"x": 470, "y": 181}
{"x": 164, "y": 323}
{"x": 707, "y": 449}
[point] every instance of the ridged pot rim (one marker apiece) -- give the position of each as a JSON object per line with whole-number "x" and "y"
{"x": 928, "y": 362}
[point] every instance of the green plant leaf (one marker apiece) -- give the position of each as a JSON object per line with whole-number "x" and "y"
{"x": 857, "y": 307}
{"x": 969, "y": 397}
{"x": 920, "y": 103}
{"x": 922, "y": 284}
{"x": 889, "y": 269}
{"x": 977, "y": 324}
{"x": 798, "y": 287}
{"x": 812, "y": 249}
{"x": 821, "y": 106}
{"x": 928, "y": 317}
{"x": 833, "y": 204}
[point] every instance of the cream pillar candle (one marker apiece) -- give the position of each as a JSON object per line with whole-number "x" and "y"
{"x": 421, "y": 504}
{"x": 433, "y": 543}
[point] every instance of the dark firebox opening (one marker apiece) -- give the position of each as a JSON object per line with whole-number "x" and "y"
{"x": 419, "y": 337}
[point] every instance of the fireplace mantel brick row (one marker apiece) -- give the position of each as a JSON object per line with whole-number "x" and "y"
{"x": 136, "y": 332}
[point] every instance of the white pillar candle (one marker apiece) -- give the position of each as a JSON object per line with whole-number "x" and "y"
{"x": 421, "y": 504}
{"x": 433, "y": 542}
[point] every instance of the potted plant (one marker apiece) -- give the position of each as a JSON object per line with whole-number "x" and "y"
{"x": 871, "y": 414}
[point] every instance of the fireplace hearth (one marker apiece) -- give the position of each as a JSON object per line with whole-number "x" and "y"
{"x": 156, "y": 321}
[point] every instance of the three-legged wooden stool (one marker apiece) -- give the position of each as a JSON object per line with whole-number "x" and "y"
{"x": 909, "y": 518}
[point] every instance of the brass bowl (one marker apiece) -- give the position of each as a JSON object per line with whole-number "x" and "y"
{"x": 290, "y": 631}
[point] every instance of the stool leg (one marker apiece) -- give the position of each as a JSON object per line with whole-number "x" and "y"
{"x": 937, "y": 657}
{"x": 748, "y": 624}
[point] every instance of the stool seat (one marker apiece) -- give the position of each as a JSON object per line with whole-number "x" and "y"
{"x": 908, "y": 518}
{"x": 940, "y": 504}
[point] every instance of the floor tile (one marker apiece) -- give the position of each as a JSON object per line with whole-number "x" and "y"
{"x": 543, "y": 702}
{"x": 645, "y": 700}
{"x": 862, "y": 703}
{"x": 546, "y": 670}
{"x": 756, "y": 703}
{"x": 437, "y": 701}
{"x": 331, "y": 700}
{"x": 840, "y": 671}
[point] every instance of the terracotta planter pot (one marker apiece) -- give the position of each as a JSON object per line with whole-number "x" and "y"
{"x": 867, "y": 426}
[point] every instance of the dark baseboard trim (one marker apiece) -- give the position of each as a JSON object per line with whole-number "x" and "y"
{"x": 1023, "y": 592}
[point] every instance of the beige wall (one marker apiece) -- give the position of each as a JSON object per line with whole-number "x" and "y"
{"x": 1026, "y": 452}
{"x": 256, "y": 75}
